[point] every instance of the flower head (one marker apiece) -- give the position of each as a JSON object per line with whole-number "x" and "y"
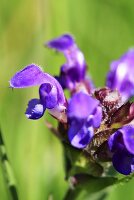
{"x": 100, "y": 121}
{"x": 121, "y": 75}
{"x": 50, "y": 92}
{"x": 73, "y": 71}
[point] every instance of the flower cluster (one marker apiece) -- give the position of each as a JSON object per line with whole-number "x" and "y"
{"x": 94, "y": 118}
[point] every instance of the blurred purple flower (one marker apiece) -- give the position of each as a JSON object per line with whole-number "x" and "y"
{"x": 50, "y": 92}
{"x": 84, "y": 115}
{"x": 73, "y": 71}
{"x": 121, "y": 143}
{"x": 121, "y": 75}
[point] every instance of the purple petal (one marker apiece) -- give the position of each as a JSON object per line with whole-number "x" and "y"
{"x": 61, "y": 43}
{"x": 123, "y": 162}
{"x": 121, "y": 75}
{"x": 71, "y": 76}
{"x": 31, "y": 75}
{"x": 128, "y": 138}
{"x": 75, "y": 67}
{"x": 80, "y": 136}
{"x": 97, "y": 117}
{"x": 35, "y": 109}
{"x": 74, "y": 70}
{"x": 60, "y": 93}
{"x": 81, "y": 106}
{"x": 115, "y": 141}
{"x": 48, "y": 95}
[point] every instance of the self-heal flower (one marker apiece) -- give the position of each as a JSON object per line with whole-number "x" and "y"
{"x": 84, "y": 115}
{"x": 121, "y": 143}
{"x": 73, "y": 71}
{"x": 98, "y": 121}
{"x": 51, "y": 95}
{"x": 121, "y": 75}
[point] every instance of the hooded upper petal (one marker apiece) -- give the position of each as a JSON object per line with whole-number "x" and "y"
{"x": 81, "y": 105}
{"x": 61, "y": 43}
{"x": 32, "y": 75}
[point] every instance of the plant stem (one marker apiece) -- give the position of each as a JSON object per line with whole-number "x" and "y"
{"x": 7, "y": 171}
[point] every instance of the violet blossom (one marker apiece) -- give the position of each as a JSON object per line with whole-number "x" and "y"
{"x": 121, "y": 75}
{"x": 74, "y": 70}
{"x": 84, "y": 115}
{"x": 51, "y": 95}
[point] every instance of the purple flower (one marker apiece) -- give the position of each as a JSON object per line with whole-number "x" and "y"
{"x": 121, "y": 75}
{"x": 51, "y": 95}
{"x": 121, "y": 143}
{"x": 84, "y": 115}
{"x": 73, "y": 71}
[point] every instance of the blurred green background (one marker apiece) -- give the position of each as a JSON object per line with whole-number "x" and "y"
{"x": 104, "y": 29}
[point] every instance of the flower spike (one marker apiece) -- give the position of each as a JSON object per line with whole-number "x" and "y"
{"x": 97, "y": 122}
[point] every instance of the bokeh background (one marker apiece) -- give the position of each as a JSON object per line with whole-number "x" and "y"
{"x": 104, "y": 30}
